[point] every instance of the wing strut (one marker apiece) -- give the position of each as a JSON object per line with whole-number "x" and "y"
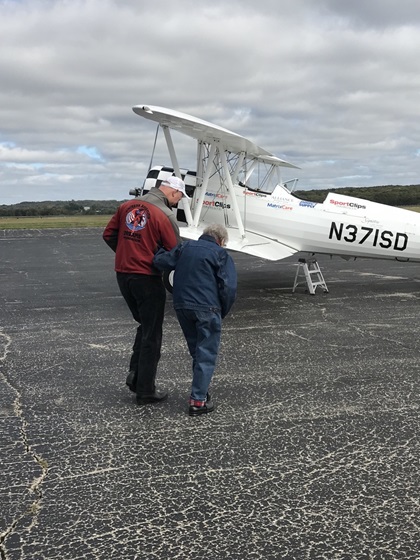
{"x": 175, "y": 165}
{"x": 216, "y": 146}
{"x": 222, "y": 153}
{"x": 204, "y": 184}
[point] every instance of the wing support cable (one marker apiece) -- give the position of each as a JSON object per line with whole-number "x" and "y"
{"x": 153, "y": 151}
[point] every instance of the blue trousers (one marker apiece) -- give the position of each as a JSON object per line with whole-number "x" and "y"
{"x": 202, "y": 331}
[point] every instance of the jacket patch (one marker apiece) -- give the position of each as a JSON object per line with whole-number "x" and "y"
{"x": 137, "y": 218}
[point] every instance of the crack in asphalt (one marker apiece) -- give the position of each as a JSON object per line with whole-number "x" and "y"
{"x": 35, "y": 486}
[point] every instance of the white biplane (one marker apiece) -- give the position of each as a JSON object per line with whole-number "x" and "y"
{"x": 239, "y": 184}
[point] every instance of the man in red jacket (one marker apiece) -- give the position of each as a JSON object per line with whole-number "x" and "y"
{"x": 136, "y": 231}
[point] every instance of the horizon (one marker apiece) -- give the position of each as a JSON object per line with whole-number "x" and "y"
{"x": 80, "y": 200}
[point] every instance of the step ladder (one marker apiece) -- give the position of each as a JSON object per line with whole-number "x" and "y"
{"x": 313, "y": 275}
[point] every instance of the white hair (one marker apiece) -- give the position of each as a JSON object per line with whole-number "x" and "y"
{"x": 219, "y": 232}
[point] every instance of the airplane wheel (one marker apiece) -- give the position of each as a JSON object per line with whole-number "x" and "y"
{"x": 168, "y": 280}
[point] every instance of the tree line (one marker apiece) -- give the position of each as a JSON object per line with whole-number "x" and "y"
{"x": 393, "y": 195}
{"x": 60, "y": 208}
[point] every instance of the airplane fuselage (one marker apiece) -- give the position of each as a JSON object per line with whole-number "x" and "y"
{"x": 346, "y": 226}
{"x": 341, "y": 225}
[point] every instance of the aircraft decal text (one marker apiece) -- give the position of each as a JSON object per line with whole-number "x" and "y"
{"x": 215, "y": 195}
{"x": 216, "y": 204}
{"x": 372, "y": 236}
{"x": 282, "y": 199}
{"x": 280, "y": 206}
{"x": 253, "y": 193}
{"x": 346, "y": 204}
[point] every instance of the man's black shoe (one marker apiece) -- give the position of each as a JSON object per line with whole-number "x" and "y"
{"x": 205, "y": 408}
{"x": 131, "y": 380}
{"x": 152, "y": 398}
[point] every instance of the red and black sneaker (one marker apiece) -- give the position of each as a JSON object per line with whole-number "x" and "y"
{"x": 200, "y": 407}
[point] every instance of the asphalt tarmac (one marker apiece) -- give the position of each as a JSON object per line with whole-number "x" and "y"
{"x": 311, "y": 453}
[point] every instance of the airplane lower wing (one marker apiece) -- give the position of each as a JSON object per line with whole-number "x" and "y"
{"x": 253, "y": 244}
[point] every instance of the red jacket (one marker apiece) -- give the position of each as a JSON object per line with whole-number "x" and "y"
{"x": 138, "y": 229}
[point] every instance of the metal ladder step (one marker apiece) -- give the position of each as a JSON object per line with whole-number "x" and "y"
{"x": 312, "y": 274}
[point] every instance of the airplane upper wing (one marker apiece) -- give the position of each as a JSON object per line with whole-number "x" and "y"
{"x": 253, "y": 244}
{"x": 207, "y": 132}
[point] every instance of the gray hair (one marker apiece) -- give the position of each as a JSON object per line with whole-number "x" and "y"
{"x": 219, "y": 232}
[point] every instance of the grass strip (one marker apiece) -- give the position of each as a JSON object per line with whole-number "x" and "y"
{"x": 60, "y": 222}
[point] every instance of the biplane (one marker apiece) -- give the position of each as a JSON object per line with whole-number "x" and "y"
{"x": 239, "y": 184}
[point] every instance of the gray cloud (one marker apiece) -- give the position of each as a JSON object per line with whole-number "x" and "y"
{"x": 330, "y": 86}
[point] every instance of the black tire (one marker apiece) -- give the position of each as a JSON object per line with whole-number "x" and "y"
{"x": 168, "y": 278}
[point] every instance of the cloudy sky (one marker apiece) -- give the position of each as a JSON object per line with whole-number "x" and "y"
{"x": 332, "y": 86}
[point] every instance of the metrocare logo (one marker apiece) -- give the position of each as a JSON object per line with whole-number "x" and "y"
{"x": 137, "y": 219}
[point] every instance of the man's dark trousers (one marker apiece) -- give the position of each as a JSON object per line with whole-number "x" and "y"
{"x": 145, "y": 296}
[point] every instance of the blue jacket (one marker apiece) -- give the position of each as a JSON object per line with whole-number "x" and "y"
{"x": 205, "y": 275}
